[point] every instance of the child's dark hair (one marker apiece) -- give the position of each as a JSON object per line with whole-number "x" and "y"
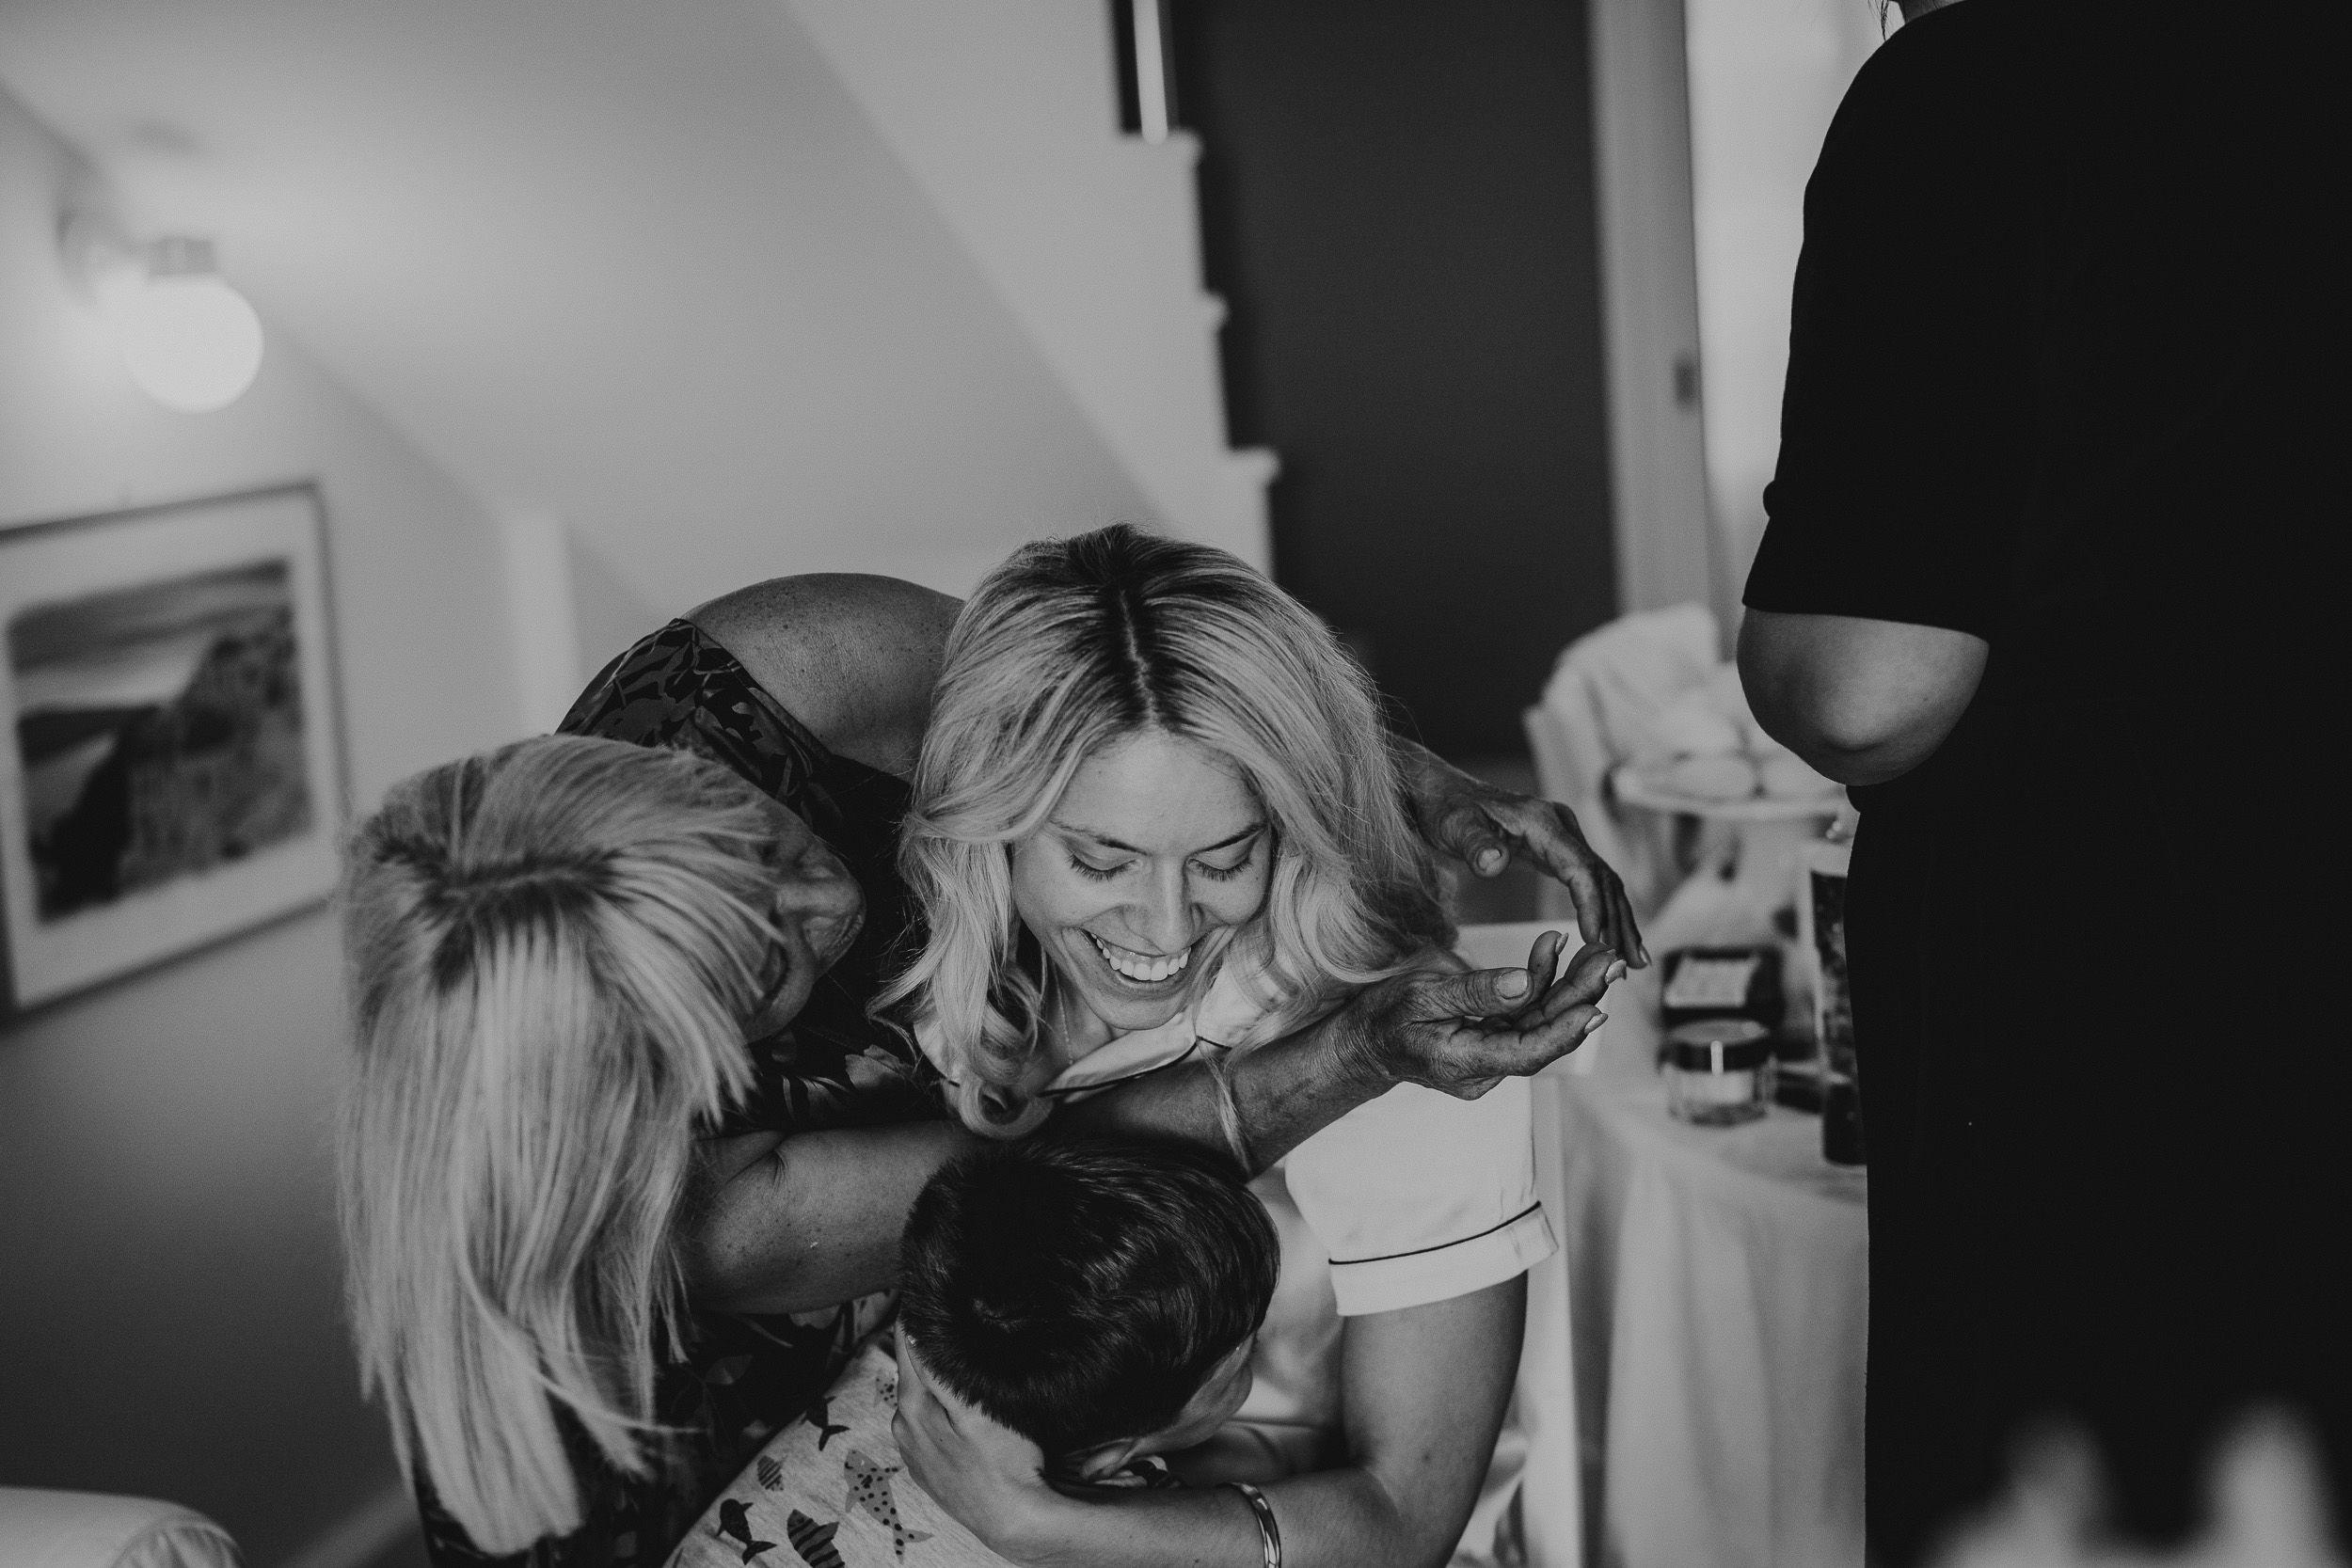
{"x": 1080, "y": 1292}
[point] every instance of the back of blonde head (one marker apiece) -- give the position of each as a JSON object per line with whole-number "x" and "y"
{"x": 1071, "y": 646}
{"x": 552, "y": 948}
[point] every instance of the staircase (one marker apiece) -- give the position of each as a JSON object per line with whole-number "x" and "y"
{"x": 1004, "y": 114}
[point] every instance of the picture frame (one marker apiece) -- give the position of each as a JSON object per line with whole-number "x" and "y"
{"x": 173, "y": 772}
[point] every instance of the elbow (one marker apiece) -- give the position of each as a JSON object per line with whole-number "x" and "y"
{"x": 1411, "y": 1533}
{"x": 1836, "y": 729}
{"x": 1845, "y": 742}
{"x": 743, "y": 1280}
{"x": 1858, "y": 713}
{"x": 718, "y": 1278}
{"x": 1850, "y": 742}
{"x": 730, "y": 1267}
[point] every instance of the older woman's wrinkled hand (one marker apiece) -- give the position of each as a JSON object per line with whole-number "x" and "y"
{"x": 1485, "y": 827}
{"x": 1462, "y": 1034}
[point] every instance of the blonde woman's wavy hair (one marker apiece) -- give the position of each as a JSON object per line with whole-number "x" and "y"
{"x": 551, "y": 951}
{"x": 1074, "y": 644}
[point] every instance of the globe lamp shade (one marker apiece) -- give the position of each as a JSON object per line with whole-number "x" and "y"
{"x": 191, "y": 342}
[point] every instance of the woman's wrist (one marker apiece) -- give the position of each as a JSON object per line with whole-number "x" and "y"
{"x": 1261, "y": 1516}
{"x": 1035, "y": 1525}
{"x": 1288, "y": 1090}
{"x": 1355, "y": 1054}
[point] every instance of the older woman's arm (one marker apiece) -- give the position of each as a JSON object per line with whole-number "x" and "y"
{"x": 1457, "y": 1032}
{"x": 778, "y": 1223}
{"x": 1862, "y": 700}
{"x": 1424, "y": 1391}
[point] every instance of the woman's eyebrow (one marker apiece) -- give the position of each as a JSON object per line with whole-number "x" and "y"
{"x": 1109, "y": 842}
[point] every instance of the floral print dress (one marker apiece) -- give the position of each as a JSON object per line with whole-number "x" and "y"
{"x": 745, "y": 1376}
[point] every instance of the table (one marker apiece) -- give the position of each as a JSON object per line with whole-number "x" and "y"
{"x": 1717, "y": 1306}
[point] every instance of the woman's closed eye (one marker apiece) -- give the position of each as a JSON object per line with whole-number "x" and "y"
{"x": 1092, "y": 872}
{"x": 1226, "y": 873}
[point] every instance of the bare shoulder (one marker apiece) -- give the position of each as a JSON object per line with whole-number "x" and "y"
{"x": 852, "y": 657}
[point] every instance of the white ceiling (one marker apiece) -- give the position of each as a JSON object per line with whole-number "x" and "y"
{"x": 646, "y": 265}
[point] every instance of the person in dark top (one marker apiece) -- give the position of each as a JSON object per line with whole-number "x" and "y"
{"x": 600, "y": 1247}
{"x": 2038, "y": 583}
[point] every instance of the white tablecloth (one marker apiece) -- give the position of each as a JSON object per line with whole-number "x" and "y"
{"x": 1718, "y": 1311}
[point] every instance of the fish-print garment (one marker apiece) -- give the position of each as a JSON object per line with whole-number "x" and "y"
{"x": 743, "y": 1377}
{"x": 830, "y": 1491}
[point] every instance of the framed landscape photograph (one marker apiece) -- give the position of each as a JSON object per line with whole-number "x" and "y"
{"x": 173, "y": 772}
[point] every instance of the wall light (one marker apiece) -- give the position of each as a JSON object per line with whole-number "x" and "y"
{"x": 190, "y": 340}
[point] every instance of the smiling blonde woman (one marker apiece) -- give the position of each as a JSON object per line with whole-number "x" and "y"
{"x": 1159, "y": 822}
{"x": 1116, "y": 636}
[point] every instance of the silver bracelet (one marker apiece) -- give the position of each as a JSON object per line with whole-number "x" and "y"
{"x": 1269, "y": 1533}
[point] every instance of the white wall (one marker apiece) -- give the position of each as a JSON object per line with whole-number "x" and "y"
{"x": 169, "y": 1322}
{"x": 647, "y": 270}
{"x": 1766, "y": 76}
{"x": 1005, "y": 113}
{"x": 1666, "y": 553}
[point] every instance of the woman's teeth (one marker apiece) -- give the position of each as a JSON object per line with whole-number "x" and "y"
{"x": 1136, "y": 966}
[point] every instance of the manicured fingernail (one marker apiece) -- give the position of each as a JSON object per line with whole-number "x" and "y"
{"x": 1598, "y": 1019}
{"x": 1513, "y": 983}
{"x": 1616, "y": 972}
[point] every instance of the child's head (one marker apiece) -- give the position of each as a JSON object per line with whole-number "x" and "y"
{"x": 1098, "y": 1298}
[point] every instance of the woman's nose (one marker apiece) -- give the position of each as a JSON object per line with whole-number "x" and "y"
{"x": 819, "y": 886}
{"x": 1161, "y": 917}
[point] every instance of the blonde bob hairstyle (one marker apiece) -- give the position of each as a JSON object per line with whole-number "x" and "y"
{"x": 551, "y": 951}
{"x": 1074, "y": 644}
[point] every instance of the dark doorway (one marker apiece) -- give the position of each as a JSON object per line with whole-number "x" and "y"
{"x": 1398, "y": 207}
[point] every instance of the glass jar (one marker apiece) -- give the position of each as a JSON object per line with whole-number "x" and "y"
{"x": 1719, "y": 1070}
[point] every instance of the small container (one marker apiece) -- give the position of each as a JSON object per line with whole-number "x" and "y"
{"x": 1826, "y": 867}
{"x": 1719, "y": 1070}
{"x": 1723, "y": 982}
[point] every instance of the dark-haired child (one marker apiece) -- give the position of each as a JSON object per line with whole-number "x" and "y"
{"x": 1100, "y": 1299}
